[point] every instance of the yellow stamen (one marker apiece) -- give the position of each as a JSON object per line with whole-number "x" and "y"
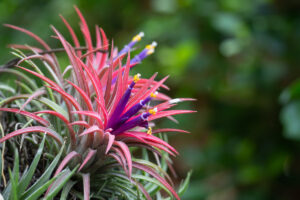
{"x": 150, "y": 51}
{"x": 149, "y": 132}
{"x": 153, "y": 95}
{"x": 138, "y": 37}
{"x": 153, "y": 111}
{"x": 151, "y": 46}
{"x": 136, "y": 77}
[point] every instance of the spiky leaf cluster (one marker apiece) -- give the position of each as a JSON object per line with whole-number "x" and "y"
{"x": 93, "y": 117}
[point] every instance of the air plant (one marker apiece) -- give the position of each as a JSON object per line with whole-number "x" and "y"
{"x": 94, "y": 114}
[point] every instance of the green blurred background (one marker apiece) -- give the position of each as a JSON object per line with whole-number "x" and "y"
{"x": 239, "y": 59}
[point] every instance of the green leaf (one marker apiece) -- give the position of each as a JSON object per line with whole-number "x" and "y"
{"x": 11, "y": 191}
{"x": 183, "y": 186}
{"x": 26, "y": 178}
{"x": 125, "y": 187}
{"x": 22, "y": 76}
{"x": 55, "y": 77}
{"x": 7, "y": 88}
{"x": 16, "y": 166}
{"x": 46, "y": 175}
{"x": 39, "y": 191}
{"x": 152, "y": 165}
{"x": 125, "y": 194}
{"x": 102, "y": 187}
{"x": 25, "y": 87}
{"x": 64, "y": 177}
{"x": 66, "y": 190}
{"x": 152, "y": 180}
{"x": 14, "y": 186}
{"x": 54, "y": 106}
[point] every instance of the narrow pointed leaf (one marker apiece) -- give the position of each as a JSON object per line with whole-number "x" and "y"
{"x": 86, "y": 186}
{"x": 28, "y": 114}
{"x": 26, "y": 178}
{"x": 60, "y": 182}
{"x": 65, "y": 161}
{"x": 38, "y": 192}
{"x": 45, "y": 176}
{"x": 156, "y": 176}
{"x": 111, "y": 139}
{"x": 126, "y": 153}
{"x": 87, "y": 158}
{"x": 51, "y": 132}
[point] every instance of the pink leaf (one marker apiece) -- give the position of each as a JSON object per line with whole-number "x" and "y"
{"x": 169, "y": 113}
{"x": 72, "y": 33}
{"x": 126, "y": 73}
{"x": 65, "y": 161}
{"x": 163, "y": 130}
{"x": 80, "y": 75}
{"x": 103, "y": 112}
{"x": 154, "y": 139}
{"x": 126, "y": 153}
{"x": 47, "y": 80}
{"x": 153, "y": 88}
{"x": 111, "y": 139}
{"x": 104, "y": 55}
{"x": 94, "y": 80}
{"x": 68, "y": 97}
{"x": 34, "y": 95}
{"x": 80, "y": 123}
{"x": 128, "y": 134}
{"x": 134, "y": 137}
{"x": 117, "y": 91}
{"x": 87, "y": 158}
{"x": 134, "y": 143}
{"x": 122, "y": 158}
{"x": 37, "y": 38}
{"x": 92, "y": 129}
{"x": 162, "y": 96}
{"x": 98, "y": 45}
{"x": 85, "y": 31}
{"x": 144, "y": 191}
{"x": 84, "y": 95}
{"x": 118, "y": 159}
{"x": 28, "y": 114}
{"x": 41, "y": 129}
{"x": 86, "y": 186}
{"x": 46, "y": 58}
{"x": 93, "y": 115}
{"x": 153, "y": 173}
{"x": 108, "y": 83}
{"x": 60, "y": 116}
{"x": 136, "y": 96}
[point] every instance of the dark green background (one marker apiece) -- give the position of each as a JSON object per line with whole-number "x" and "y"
{"x": 239, "y": 58}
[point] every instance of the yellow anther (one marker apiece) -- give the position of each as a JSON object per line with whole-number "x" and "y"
{"x": 153, "y": 95}
{"x": 151, "y": 46}
{"x": 153, "y": 111}
{"x": 136, "y": 77}
{"x": 149, "y": 132}
{"x": 150, "y": 51}
{"x": 138, "y": 37}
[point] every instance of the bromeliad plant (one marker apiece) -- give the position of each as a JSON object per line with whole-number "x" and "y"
{"x": 97, "y": 117}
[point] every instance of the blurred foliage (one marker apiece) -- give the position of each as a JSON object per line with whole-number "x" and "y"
{"x": 235, "y": 56}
